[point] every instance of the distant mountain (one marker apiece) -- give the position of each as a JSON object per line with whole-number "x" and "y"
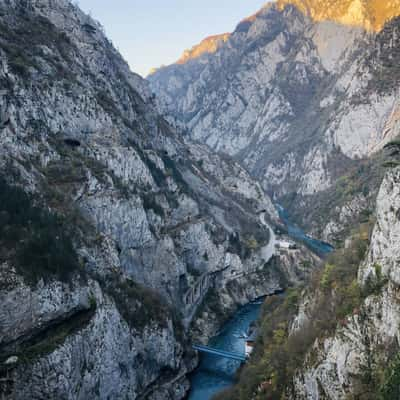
{"x": 299, "y": 93}
{"x": 207, "y": 46}
{"x": 369, "y": 14}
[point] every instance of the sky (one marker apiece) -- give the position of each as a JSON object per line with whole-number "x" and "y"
{"x": 151, "y": 33}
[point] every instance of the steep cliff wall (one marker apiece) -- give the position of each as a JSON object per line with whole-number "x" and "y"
{"x": 358, "y": 359}
{"x": 339, "y": 337}
{"x": 370, "y": 15}
{"x": 298, "y": 94}
{"x": 148, "y": 223}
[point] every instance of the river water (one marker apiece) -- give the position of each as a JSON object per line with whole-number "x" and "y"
{"x": 321, "y": 248}
{"x": 214, "y": 373}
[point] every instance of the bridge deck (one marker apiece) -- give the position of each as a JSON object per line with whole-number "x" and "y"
{"x": 220, "y": 353}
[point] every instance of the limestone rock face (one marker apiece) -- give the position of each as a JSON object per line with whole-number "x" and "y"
{"x": 208, "y": 45}
{"x": 366, "y": 337}
{"x": 384, "y": 249}
{"x": 298, "y": 93}
{"x": 371, "y": 14}
{"x": 159, "y": 221}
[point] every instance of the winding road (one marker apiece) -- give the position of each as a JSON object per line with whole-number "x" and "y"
{"x": 268, "y": 251}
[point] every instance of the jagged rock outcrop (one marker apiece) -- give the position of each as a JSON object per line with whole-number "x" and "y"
{"x": 207, "y": 46}
{"x": 370, "y": 15}
{"x": 298, "y": 93}
{"x": 155, "y": 221}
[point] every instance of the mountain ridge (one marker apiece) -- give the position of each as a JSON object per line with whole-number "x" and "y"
{"x": 283, "y": 74}
{"x": 209, "y": 45}
{"x": 370, "y": 15}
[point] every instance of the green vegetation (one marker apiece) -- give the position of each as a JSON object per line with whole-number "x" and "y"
{"x": 157, "y": 174}
{"x": 390, "y": 387}
{"x": 245, "y": 244}
{"x": 21, "y": 40}
{"x": 235, "y": 245}
{"x": 251, "y": 243}
{"x": 336, "y": 295}
{"x": 57, "y": 335}
{"x": 67, "y": 174}
{"x": 36, "y": 240}
{"x": 138, "y": 305}
{"x": 362, "y": 178}
{"x": 375, "y": 284}
{"x": 393, "y": 144}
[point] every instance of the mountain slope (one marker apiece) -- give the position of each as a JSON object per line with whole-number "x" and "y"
{"x": 308, "y": 101}
{"x": 208, "y": 45}
{"x": 294, "y": 96}
{"x": 339, "y": 337}
{"x": 369, "y": 14}
{"x": 119, "y": 227}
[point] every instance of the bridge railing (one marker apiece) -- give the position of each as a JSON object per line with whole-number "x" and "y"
{"x": 220, "y": 353}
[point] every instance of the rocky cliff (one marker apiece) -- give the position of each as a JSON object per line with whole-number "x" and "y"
{"x": 299, "y": 93}
{"x": 114, "y": 228}
{"x": 370, "y": 15}
{"x": 339, "y": 337}
{"x": 207, "y": 46}
{"x": 359, "y": 359}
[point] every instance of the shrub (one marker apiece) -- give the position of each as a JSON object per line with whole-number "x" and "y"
{"x": 391, "y": 164}
{"x": 326, "y": 279}
{"x": 38, "y": 241}
{"x": 383, "y": 59}
{"x": 390, "y": 388}
{"x": 251, "y": 243}
{"x": 393, "y": 144}
{"x": 278, "y": 354}
{"x": 138, "y": 305}
{"x": 20, "y": 42}
{"x": 375, "y": 284}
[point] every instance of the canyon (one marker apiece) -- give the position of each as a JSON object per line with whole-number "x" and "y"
{"x": 115, "y": 227}
{"x": 138, "y": 215}
{"x": 304, "y": 95}
{"x": 301, "y": 94}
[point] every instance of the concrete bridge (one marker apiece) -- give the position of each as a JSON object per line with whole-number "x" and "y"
{"x": 220, "y": 353}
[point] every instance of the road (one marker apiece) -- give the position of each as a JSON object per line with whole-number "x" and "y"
{"x": 268, "y": 251}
